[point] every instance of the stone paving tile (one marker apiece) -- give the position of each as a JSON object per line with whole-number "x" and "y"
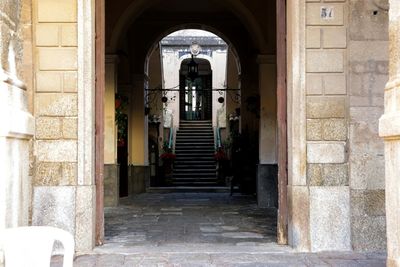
{"x": 178, "y": 216}
{"x": 342, "y": 263}
{"x": 372, "y": 263}
{"x": 201, "y": 229}
{"x": 219, "y": 260}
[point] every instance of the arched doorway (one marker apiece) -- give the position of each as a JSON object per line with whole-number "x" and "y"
{"x": 212, "y": 83}
{"x": 250, "y": 82}
{"x": 195, "y": 99}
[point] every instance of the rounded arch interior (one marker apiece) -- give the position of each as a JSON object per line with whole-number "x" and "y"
{"x": 193, "y": 26}
{"x": 136, "y": 60}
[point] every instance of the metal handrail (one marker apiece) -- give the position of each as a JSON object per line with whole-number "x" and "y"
{"x": 218, "y": 143}
{"x": 172, "y": 138}
{"x": 172, "y": 134}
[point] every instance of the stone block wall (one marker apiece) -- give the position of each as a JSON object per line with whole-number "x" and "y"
{"x": 346, "y": 71}
{"x": 368, "y": 73}
{"x": 60, "y": 198}
{"x": 56, "y": 107}
{"x": 327, "y": 125}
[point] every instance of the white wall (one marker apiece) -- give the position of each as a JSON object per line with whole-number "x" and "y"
{"x": 171, "y": 64}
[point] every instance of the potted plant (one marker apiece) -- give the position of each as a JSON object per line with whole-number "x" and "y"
{"x": 168, "y": 158}
{"x": 222, "y": 164}
{"x": 121, "y": 119}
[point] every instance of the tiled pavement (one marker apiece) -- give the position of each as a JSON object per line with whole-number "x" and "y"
{"x": 201, "y": 229}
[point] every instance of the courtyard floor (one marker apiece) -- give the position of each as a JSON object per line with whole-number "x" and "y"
{"x": 201, "y": 229}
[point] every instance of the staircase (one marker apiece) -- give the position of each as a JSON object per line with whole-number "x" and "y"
{"x": 194, "y": 148}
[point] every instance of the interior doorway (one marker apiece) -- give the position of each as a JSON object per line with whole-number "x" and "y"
{"x": 196, "y": 94}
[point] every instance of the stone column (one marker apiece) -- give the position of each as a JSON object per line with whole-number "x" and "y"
{"x": 63, "y": 178}
{"x": 16, "y": 122}
{"x": 326, "y": 127}
{"x": 138, "y": 135}
{"x": 267, "y": 192}
{"x": 389, "y": 129}
{"x": 111, "y": 177}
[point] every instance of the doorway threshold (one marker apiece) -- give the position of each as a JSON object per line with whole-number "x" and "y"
{"x": 190, "y": 248}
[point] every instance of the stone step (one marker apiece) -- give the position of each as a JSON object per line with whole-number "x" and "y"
{"x": 199, "y": 129}
{"x": 194, "y": 141}
{"x": 191, "y": 162}
{"x": 210, "y": 156}
{"x": 194, "y": 132}
{"x": 190, "y": 179}
{"x": 198, "y": 126}
{"x": 195, "y": 177}
{"x": 197, "y": 156}
{"x": 204, "y": 143}
{"x": 194, "y": 148}
{"x": 192, "y": 166}
{"x": 195, "y": 183}
{"x": 195, "y": 152}
{"x": 195, "y": 138}
{"x": 186, "y": 149}
{"x": 211, "y": 172}
{"x": 194, "y": 145}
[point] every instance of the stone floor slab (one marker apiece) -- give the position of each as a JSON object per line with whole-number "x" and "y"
{"x": 201, "y": 229}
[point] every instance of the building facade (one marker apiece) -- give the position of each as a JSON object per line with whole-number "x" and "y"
{"x": 322, "y": 95}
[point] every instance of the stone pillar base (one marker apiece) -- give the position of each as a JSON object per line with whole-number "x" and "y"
{"x": 267, "y": 185}
{"x": 71, "y": 208}
{"x": 111, "y": 185}
{"x": 138, "y": 178}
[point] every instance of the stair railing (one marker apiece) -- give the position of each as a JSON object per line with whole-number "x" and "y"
{"x": 218, "y": 143}
{"x": 172, "y": 137}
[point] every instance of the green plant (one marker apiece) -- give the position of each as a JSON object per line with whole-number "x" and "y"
{"x": 121, "y": 119}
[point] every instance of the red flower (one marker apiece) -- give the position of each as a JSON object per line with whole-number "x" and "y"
{"x": 168, "y": 155}
{"x": 118, "y": 103}
{"x": 121, "y": 142}
{"x": 220, "y": 155}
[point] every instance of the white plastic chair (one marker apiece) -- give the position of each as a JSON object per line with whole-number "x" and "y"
{"x": 32, "y": 246}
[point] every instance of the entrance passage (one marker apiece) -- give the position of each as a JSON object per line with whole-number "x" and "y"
{"x": 191, "y": 221}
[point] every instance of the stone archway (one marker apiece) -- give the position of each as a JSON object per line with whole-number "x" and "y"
{"x": 137, "y": 7}
{"x": 99, "y": 118}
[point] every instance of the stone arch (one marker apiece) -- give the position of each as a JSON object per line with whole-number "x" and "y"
{"x": 237, "y": 8}
{"x": 254, "y": 31}
{"x": 163, "y": 34}
{"x": 196, "y": 27}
